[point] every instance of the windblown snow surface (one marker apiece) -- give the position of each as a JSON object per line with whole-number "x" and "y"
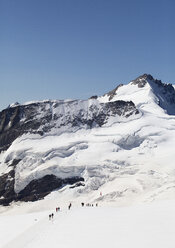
{"x": 125, "y": 162}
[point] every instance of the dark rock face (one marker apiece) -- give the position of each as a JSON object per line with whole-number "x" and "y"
{"x": 18, "y": 120}
{"x": 142, "y": 80}
{"x": 93, "y": 97}
{"x": 7, "y": 182}
{"x": 165, "y": 94}
{"x": 77, "y": 185}
{"x": 35, "y": 190}
{"x": 113, "y": 92}
{"x": 121, "y": 108}
{"x": 41, "y": 117}
{"x": 7, "y": 193}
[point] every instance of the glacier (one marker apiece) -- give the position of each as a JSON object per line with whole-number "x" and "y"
{"x": 118, "y": 148}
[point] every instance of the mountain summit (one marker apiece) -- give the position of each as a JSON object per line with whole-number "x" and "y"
{"x": 143, "y": 79}
{"x": 145, "y": 89}
{"x": 120, "y": 144}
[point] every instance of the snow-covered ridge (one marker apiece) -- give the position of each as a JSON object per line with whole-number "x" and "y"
{"x": 146, "y": 92}
{"x": 38, "y": 102}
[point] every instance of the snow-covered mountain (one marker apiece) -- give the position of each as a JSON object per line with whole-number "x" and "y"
{"x": 117, "y": 148}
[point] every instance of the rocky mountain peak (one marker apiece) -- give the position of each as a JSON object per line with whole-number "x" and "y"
{"x": 161, "y": 93}
{"x": 165, "y": 93}
{"x": 142, "y": 80}
{"x": 146, "y": 76}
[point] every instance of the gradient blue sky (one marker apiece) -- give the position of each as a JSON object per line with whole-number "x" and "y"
{"x": 57, "y": 49}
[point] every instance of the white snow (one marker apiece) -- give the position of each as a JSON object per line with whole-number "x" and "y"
{"x": 143, "y": 98}
{"x": 130, "y": 227}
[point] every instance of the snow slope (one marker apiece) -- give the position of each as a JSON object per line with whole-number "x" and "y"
{"x": 132, "y": 227}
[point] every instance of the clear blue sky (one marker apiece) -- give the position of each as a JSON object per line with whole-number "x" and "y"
{"x": 57, "y": 49}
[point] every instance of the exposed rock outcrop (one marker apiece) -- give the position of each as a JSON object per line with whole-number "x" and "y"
{"x": 113, "y": 92}
{"x": 35, "y": 190}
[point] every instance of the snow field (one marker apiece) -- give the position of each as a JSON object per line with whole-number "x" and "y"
{"x": 130, "y": 227}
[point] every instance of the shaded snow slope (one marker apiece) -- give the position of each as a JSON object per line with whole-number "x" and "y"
{"x": 111, "y": 146}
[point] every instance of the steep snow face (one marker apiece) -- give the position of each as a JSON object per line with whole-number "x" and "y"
{"x": 124, "y": 152}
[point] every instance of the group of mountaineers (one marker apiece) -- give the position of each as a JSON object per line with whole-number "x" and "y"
{"x": 51, "y": 216}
